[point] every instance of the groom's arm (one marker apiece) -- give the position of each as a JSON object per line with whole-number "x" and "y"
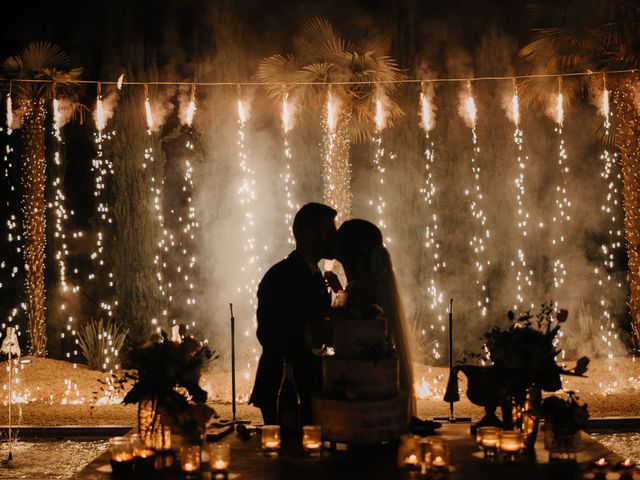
{"x": 273, "y": 312}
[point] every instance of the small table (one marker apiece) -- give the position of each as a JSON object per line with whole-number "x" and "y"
{"x": 379, "y": 462}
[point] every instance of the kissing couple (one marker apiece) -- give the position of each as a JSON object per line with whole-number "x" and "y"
{"x": 294, "y": 294}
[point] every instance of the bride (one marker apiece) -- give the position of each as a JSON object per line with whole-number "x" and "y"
{"x": 371, "y": 280}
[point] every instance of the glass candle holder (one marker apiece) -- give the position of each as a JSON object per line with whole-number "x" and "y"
{"x": 190, "y": 460}
{"x": 409, "y": 452}
{"x": 271, "y": 439}
{"x": 144, "y": 458}
{"x": 509, "y": 444}
{"x": 220, "y": 454}
{"x": 436, "y": 456}
{"x": 312, "y": 439}
{"x": 487, "y": 438}
{"x": 121, "y": 456}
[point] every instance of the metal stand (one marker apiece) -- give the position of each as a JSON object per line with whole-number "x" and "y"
{"x": 234, "y": 416}
{"x": 452, "y": 418}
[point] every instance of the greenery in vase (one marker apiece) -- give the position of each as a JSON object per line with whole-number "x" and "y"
{"x": 565, "y": 416}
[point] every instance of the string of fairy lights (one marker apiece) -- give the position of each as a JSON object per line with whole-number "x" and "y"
{"x": 10, "y": 266}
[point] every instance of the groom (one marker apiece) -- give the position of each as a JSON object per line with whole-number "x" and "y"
{"x": 292, "y": 294}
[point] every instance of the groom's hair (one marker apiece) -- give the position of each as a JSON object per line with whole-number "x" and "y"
{"x": 309, "y": 216}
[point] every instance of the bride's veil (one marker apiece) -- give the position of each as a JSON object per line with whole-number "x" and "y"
{"x": 388, "y": 297}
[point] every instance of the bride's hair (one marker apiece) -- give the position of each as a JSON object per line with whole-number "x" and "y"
{"x": 356, "y": 239}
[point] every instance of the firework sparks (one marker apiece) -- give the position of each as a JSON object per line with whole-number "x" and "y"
{"x": 149, "y": 115}
{"x": 9, "y": 112}
{"x": 100, "y": 124}
{"x": 191, "y": 107}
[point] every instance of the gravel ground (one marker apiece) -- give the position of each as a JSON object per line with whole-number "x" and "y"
{"x": 53, "y": 392}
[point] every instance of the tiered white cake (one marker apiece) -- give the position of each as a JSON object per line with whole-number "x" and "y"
{"x": 361, "y": 401}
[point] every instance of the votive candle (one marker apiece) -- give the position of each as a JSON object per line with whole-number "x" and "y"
{"x": 220, "y": 454}
{"x": 312, "y": 439}
{"x": 121, "y": 456}
{"x": 271, "y": 438}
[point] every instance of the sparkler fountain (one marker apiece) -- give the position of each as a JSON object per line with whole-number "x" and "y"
{"x": 432, "y": 242}
{"x": 379, "y": 204}
{"x": 102, "y": 168}
{"x": 562, "y": 202}
{"x": 612, "y": 243}
{"x": 336, "y": 169}
{"x": 60, "y": 216}
{"x": 290, "y": 207}
{"x": 163, "y": 244}
{"x": 247, "y": 196}
{"x": 481, "y": 232}
{"x": 523, "y": 277}
{"x": 187, "y": 222}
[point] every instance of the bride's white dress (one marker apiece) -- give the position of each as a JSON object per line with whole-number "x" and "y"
{"x": 375, "y": 283}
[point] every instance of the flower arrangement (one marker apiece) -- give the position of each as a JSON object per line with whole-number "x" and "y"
{"x": 168, "y": 375}
{"x": 525, "y": 353}
{"x": 565, "y": 416}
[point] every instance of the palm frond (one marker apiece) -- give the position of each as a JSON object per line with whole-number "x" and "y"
{"x": 275, "y": 71}
{"x": 40, "y": 55}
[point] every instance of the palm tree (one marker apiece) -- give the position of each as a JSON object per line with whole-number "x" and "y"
{"x": 604, "y": 35}
{"x": 321, "y": 56}
{"x": 39, "y": 61}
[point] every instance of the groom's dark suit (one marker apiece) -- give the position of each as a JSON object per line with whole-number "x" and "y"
{"x": 291, "y": 294}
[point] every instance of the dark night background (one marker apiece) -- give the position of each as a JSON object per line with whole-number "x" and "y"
{"x": 176, "y": 39}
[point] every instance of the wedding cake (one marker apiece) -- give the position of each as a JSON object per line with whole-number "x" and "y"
{"x": 361, "y": 401}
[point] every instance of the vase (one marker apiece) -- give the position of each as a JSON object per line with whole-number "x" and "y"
{"x": 521, "y": 413}
{"x": 152, "y": 425}
{"x": 563, "y": 447}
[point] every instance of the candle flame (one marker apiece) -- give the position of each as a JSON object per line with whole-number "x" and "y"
{"x": 100, "y": 124}
{"x": 191, "y": 111}
{"x": 241, "y": 112}
{"x": 559, "y": 110}
{"x": 515, "y": 109}
{"x": 147, "y": 108}
{"x": 425, "y": 112}
{"x": 9, "y": 112}
{"x": 120, "y": 80}
{"x": 285, "y": 113}
{"x": 331, "y": 114}
{"x": 379, "y": 115}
